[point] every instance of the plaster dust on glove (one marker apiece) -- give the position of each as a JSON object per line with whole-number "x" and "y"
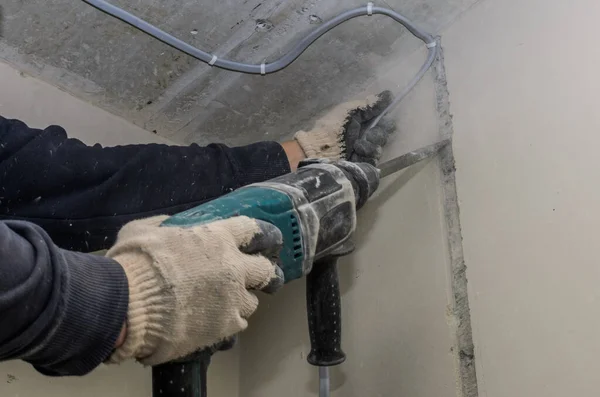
{"x": 343, "y": 133}
{"x": 189, "y": 287}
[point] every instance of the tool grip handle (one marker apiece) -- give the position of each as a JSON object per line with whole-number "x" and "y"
{"x": 323, "y": 305}
{"x": 187, "y": 376}
{"x": 185, "y": 379}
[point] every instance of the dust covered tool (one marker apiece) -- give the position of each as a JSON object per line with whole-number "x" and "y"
{"x": 323, "y": 301}
{"x": 406, "y": 160}
{"x": 315, "y": 209}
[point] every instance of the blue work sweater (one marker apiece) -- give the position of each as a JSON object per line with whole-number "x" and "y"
{"x": 62, "y": 310}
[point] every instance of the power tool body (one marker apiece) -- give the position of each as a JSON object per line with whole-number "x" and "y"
{"x": 315, "y": 209}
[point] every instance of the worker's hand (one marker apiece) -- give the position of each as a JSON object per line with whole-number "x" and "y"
{"x": 189, "y": 287}
{"x": 343, "y": 134}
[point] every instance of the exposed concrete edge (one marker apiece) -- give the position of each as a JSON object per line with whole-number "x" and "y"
{"x": 464, "y": 351}
{"x": 64, "y": 80}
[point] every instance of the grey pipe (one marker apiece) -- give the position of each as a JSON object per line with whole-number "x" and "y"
{"x": 431, "y": 55}
{"x": 288, "y": 58}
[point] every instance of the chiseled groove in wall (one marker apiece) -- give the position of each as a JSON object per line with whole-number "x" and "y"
{"x": 464, "y": 350}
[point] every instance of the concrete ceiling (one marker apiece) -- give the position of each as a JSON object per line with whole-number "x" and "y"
{"x": 110, "y": 64}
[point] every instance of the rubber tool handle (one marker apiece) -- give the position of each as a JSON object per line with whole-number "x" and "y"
{"x": 186, "y": 379}
{"x": 323, "y": 305}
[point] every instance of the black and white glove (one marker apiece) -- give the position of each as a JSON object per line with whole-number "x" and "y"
{"x": 343, "y": 134}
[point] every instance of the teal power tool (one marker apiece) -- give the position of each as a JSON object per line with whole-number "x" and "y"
{"x": 315, "y": 209}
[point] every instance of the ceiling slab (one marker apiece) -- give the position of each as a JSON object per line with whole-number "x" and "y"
{"x": 112, "y": 65}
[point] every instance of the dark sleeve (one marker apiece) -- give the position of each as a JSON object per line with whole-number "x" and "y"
{"x": 82, "y": 195}
{"x": 60, "y": 311}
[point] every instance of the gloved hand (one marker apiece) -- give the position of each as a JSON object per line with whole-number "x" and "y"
{"x": 342, "y": 133}
{"x": 189, "y": 287}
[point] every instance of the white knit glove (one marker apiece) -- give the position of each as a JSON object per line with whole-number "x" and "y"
{"x": 343, "y": 134}
{"x": 188, "y": 287}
